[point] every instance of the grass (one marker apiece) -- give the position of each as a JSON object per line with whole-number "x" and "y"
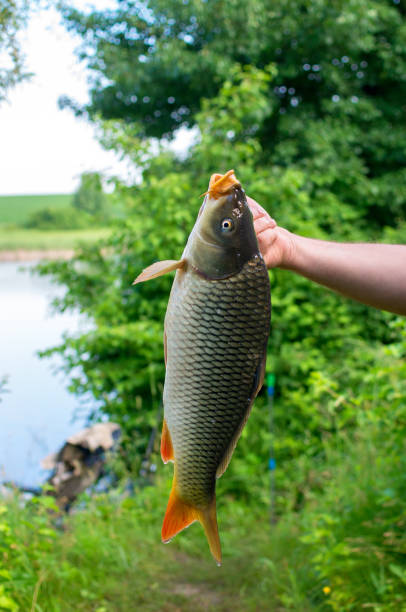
{"x": 110, "y": 557}
{"x": 12, "y": 239}
{"x": 344, "y": 551}
{"x": 15, "y": 209}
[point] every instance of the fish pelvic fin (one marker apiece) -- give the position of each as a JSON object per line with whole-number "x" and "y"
{"x": 180, "y": 515}
{"x": 159, "y": 268}
{"x": 166, "y": 444}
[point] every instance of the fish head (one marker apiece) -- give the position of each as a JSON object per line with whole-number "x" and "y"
{"x": 223, "y": 238}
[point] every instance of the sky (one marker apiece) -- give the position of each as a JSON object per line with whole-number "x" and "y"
{"x": 44, "y": 149}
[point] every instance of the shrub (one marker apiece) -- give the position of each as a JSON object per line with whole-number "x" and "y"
{"x": 59, "y": 218}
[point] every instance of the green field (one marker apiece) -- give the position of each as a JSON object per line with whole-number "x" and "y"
{"x": 15, "y": 209}
{"x": 27, "y": 239}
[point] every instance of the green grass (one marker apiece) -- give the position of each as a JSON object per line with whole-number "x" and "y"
{"x": 12, "y": 239}
{"x": 344, "y": 551}
{"x": 16, "y": 209}
{"x": 110, "y": 558}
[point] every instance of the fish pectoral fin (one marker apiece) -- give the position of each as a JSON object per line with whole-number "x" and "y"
{"x": 166, "y": 444}
{"x": 180, "y": 515}
{"x": 159, "y": 268}
{"x": 256, "y": 387}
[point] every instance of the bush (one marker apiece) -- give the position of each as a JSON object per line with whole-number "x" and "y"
{"x": 59, "y": 218}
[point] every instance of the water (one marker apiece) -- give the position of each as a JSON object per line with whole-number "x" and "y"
{"x": 36, "y": 414}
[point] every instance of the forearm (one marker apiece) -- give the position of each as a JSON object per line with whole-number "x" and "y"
{"x": 374, "y": 274}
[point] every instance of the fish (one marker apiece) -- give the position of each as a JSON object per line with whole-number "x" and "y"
{"x": 216, "y": 330}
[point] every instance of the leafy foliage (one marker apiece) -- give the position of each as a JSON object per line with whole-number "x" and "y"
{"x": 304, "y": 113}
{"x": 121, "y": 360}
{"x": 335, "y": 96}
{"x": 13, "y": 15}
{"x": 332, "y": 103}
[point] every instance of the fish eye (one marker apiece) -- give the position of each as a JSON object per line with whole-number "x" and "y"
{"x": 227, "y": 225}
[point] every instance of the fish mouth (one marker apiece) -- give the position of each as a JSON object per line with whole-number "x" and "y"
{"x": 221, "y": 184}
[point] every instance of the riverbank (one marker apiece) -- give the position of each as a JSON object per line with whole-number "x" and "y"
{"x": 24, "y": 255}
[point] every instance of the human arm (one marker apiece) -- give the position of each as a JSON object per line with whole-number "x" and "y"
{"x": 374, "y": 274}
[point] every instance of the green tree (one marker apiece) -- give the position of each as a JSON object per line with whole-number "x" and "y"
{"x": 13, "y": 16}
{"x": 338, "y": 96}
{"x": 90, "y": 197}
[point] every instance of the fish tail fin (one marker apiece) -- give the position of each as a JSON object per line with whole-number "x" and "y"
{"x": 180, "y": 515}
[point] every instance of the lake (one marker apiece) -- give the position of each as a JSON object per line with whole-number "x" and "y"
{"x": 36, "y": 412}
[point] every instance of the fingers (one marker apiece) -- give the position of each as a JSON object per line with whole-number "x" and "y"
{"x": 260, "y": 213}
{"x": 263, "y": 223}
{"x": 268, "y": 245}
{"x": 266, "y": 230}
{"x": 266, "y": 239}
{"x": 256, "y": 209}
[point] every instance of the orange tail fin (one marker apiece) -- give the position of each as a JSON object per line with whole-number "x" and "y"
{"x": 180, "y": 515}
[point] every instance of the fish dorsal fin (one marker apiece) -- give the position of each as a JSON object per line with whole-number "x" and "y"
{"x": 159, "y": 268}
{"x": 257, "y": 384}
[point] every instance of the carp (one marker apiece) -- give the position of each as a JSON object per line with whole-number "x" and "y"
{"x": 216, "y": 330}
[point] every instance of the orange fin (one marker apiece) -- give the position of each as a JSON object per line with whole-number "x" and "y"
{"x": 166, "y": 444}
{"x": 208, "y": 519}
{"x": 159, "y": 268}
{"x": 180, "y": 515}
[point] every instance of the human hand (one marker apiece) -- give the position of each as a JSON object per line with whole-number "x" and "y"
{"x": 275, "y": 243}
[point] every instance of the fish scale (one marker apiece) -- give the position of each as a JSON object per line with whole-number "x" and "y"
{"x": 216, "y": 335}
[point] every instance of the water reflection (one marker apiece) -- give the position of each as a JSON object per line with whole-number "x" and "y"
{"x": 36, "y": 412}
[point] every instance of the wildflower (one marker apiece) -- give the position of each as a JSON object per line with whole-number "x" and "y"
{"x": 326, "y": 590}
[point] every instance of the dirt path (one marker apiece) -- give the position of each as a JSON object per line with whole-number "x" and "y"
{"x": 35, "y": 255}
